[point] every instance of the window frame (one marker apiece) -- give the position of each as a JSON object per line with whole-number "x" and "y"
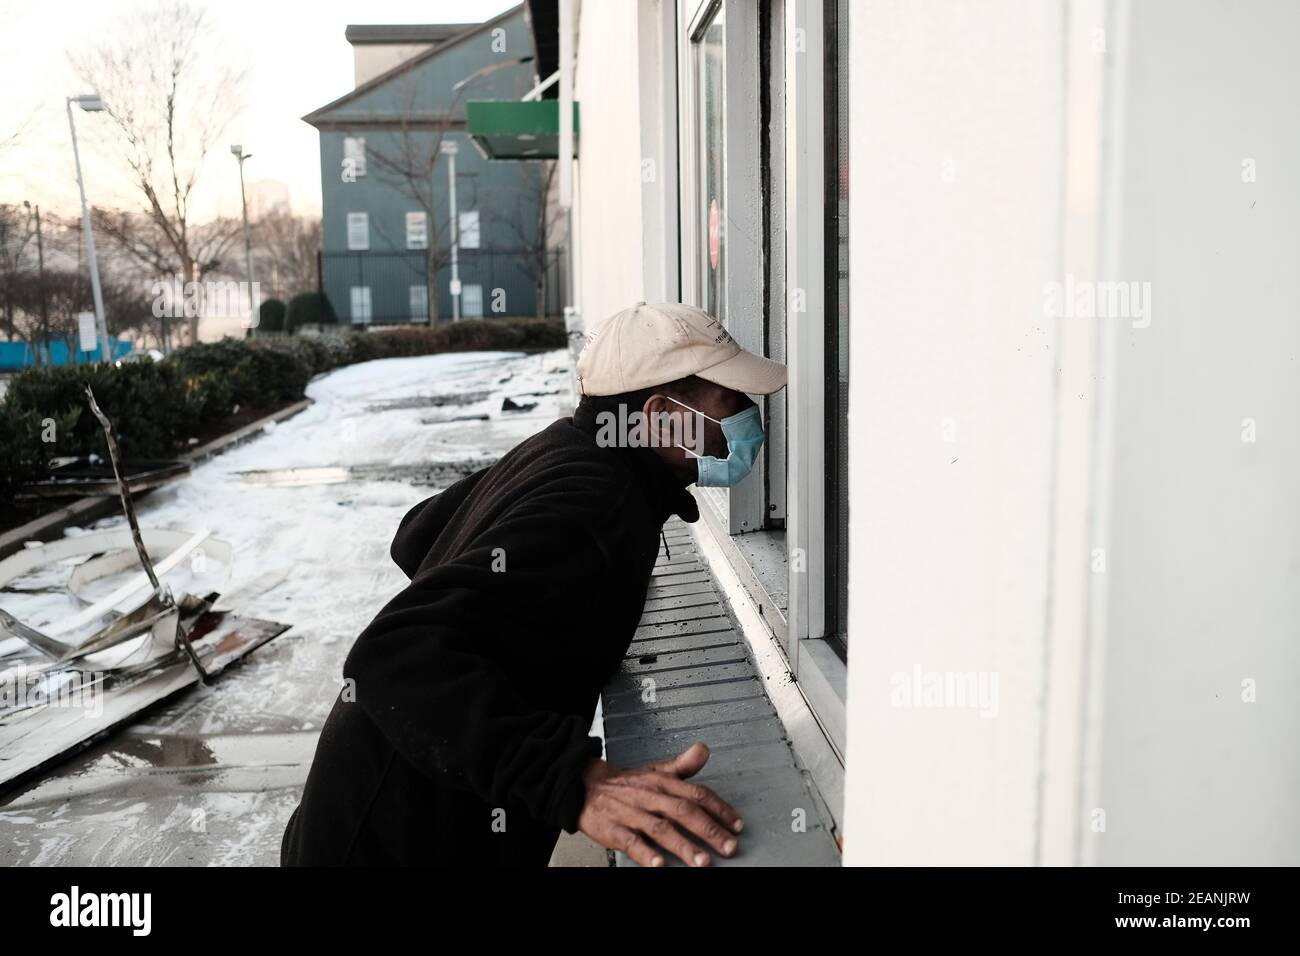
{"x": 368, "y": 307}
{"x": 362, "y": 218}
{"x": 815, "y": 661}
{"x": 356, "y": 154}
{"x": 423, "y": 241}
{"x": 473, "y": 229}
{"x": 744, "y": 506}
{"x": 465, "y": 298}
{"x": 835, "y": 524}
{"x": 420, "y": 314}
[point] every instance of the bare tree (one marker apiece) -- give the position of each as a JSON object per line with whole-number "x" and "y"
{"x": 41, "y": 306}
{"x": 409, "y": 157}
{"x": 16, "y": 234}
{"x": 284, "y": 248}
{"x": 141, "y": 241}
{"x": 10, "y": 139}
{"x": 66, "y": 295}
{"x": 533, "y": 227}
{"x": 45, "y": 308}
{"x": 170, "y": 91}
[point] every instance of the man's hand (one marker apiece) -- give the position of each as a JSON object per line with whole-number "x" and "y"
{"x": 625, "y": 807}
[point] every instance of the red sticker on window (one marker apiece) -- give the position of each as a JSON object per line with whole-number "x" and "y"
{"x": 714, "y": 238}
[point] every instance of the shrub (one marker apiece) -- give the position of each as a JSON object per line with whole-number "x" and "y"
{"x": 150, "y": 404}
{"x": 467, "y": 335}
{"x": 157, "y": 406}
{"x": 309, "y": 308}
{"x": 22, "y": 453}
{"x": 248, "y": 373}
{"x": 270, "y": 316}
{"x": 318, "y": 354}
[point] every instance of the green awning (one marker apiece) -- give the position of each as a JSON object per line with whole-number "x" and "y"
{"x": 518, "y": 129}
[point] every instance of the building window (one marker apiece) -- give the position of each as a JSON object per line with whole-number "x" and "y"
{"x": 837, "y": 325}
{"x": 354, "y": 155}
{"x": 722, "y": 195}
{"x": 468, "y": 238}
{"x": 419, "y": 303}
{"x": 361, "y": 303}
{"x": 417, "y": 230}
{"x": 471, "y": 301}
{"x": 358, "y": 231}
{"x": 711, "y": 68}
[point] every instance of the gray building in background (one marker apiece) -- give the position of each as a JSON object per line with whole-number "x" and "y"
{"x": 387, "y": 213}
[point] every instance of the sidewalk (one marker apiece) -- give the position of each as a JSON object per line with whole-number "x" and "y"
{"x": 689, "y": 676}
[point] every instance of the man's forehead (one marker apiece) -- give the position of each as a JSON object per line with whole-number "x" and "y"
{"x": 728, "y": 398}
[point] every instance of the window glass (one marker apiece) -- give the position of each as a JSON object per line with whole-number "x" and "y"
{"x": 710, "y": 58}
{"x": 419, "y": 303}
{"x": 360, "y": 303}
{"x": 469, "y": 238}
{"x": 471, "y": 301}
{"x": 358, "y": 231}
{"x": 354, "y": 154}
{"x": 417, "y": 230}
{"x": 837, "y": 334}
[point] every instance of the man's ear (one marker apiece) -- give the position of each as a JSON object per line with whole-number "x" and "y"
{"x": 654, "y": 406}
{"x": 656, "y": 403}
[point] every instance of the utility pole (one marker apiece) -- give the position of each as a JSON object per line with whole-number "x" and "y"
{"x": 240, "y": 156}
{"x": 91, "y": 103}
{"x": 572, "y": 309}
{"x": 40, "y": 277}
{"x": 449, "y": 150}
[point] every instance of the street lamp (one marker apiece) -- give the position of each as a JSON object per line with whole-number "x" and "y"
{"x": 449, "y": 150}
{"x": 238, "y": 152}
{"x": 91, "y": 103}
{"x": 485, "y": 70}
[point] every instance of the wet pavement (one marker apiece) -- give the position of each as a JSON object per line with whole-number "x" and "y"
{"x": 211, "y": 777}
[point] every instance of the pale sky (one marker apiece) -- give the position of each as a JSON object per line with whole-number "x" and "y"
{"x": 300, "y": 61}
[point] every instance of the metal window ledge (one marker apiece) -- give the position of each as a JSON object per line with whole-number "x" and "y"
{"x": 812, "y": 707}
{"x": 689, "y": 650}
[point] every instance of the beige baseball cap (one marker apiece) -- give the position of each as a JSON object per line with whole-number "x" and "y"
{"x": 649, "y": 345}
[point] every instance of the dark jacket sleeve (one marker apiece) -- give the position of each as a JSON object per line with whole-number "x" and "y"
{"x": 433, "y": 670}
{"x": 422, "y": 523}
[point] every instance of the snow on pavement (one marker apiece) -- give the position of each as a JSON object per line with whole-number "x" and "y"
{"x": 212, "y": 778}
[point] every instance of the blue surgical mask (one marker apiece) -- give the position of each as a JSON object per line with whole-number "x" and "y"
{"x": 744, "y": 434}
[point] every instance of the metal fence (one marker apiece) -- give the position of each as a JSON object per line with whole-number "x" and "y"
{"x": 15, "y": 356}
{"x": 385, "y": 288}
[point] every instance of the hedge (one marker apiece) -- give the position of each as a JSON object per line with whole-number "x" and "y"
{"x": 309, "y": 308}
{"x": 270, "y": 316}
{"x": 325, "y": 352}
{"x": 156, "y": 407}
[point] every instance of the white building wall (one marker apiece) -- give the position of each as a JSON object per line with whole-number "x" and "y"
{"x": 955, "y": 216}
{"x": 1097, "y": 534}
{"x": 1203, "y": 536}
{"x": 369, "y": 60}
{"x": 607, "y": 207}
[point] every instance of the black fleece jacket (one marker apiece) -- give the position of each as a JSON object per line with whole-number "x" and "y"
{"x": 461, "y": 732}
